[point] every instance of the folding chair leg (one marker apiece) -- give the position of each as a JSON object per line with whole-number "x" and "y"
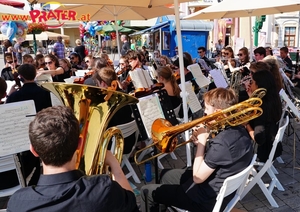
{"x": 279, "y": 160}
{"x": 274, "y": 170}
{"x": 257, "y": 180}
{"x": 131, "y": 173}
{"x": 268, "y": 195}
{"x": 275, "y": 182}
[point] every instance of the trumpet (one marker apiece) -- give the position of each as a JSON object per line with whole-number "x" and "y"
{"x": 164, "y": 135}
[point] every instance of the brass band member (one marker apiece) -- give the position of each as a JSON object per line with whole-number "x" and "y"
{"x": 61, "y": 187}
{"x": 228, "y": 153}
{"x": 264, "y": 128}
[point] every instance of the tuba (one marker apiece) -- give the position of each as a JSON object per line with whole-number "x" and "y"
{"x": 93, "y": 107}
{"x": 164, "y": 135}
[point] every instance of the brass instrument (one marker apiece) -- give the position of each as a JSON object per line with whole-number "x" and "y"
{"x": 236, "y": 77}
{"x": 164, "y": 135}
{"x": 94, "y": 107}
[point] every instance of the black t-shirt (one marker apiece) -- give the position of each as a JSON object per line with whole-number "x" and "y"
{"x": 265, "y": 130}
{"x": 81, "y": 51}
{"x": 228, "y": 153}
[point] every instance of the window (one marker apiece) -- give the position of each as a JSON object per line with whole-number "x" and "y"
{"x": 290, "y": 36}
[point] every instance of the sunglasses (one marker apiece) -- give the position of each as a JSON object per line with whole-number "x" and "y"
{"x": 72, "y": 58}
{"x": 239, "y": 55}
{"x": 11, "y": 62}
{"x": 87, "y": 61}
{"x": 48, "y": 63}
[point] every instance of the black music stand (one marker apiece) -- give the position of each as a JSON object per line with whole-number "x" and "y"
{"x": 167, "y": 106}
{"x": 169, "y": 115}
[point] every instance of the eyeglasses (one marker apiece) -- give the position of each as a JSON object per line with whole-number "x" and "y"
{"x": 48, "y": 63}
{"x": 87, "y": 61}
{"x": 11, "y": 62}
{"x": 239, "y": 55}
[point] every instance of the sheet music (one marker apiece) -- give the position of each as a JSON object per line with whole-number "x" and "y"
{"x": 150, "y": 110}
{"x": 192, "y": 99}
{"x": 15, "y": 119}
{"x": 54, "y": 100}
{"x": 80, "y": 73}
{"x": 9, "y": 85}
{"x": 218, "y": 78}
{"x": 289, "y": 103}
{"x": 201, "y": 80}
{"x": 140, "y": 78}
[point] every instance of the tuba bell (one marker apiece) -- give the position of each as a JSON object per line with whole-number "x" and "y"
{"x": 93, "y": 107}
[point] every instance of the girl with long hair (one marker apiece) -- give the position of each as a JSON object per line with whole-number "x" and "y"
{"x": 53, "y": 68}
{"x": 166, "y": 76}
{"x": 264, "y": 128}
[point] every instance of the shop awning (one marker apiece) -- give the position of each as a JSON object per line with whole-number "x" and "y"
{"x": 196, "y": 25}
{"x": 151, "y": 29}
{"x": 186, "y": 25}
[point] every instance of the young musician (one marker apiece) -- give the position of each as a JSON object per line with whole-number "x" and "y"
{"x": 166, "y": 76}
{"x": 10, "y": 65}
{"x": 30, "y": 91}
{"x": 62, "y": 187}
{"x": 228, "y": 153}
{"x": 264, "y": 128}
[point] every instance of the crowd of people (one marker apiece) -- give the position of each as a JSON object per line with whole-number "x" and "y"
{"x": 62, "y": 188}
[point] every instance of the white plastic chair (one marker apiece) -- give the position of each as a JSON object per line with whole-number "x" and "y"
{"x": 233, "y": 183}
{"x": 8, "y": 163}
{"x": 127, "y": 130}
{"x": 236, "y": 183}
{"x": 267, "y": 168}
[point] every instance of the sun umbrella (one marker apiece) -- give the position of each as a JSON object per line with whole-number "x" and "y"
{"x": 9, "y": 10}
{"x": 47, "y": 35}
{"x": 107, "y": 12}
{"x": 43, "y": 36}
{"x": 112, "y": 28}
{"x": 136, "y": 3}
{"x": 12, "y": 3}
{"x": 245, "y": 8}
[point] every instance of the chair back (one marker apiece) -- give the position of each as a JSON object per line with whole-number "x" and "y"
{"x": 233, "y": 183}
{"x": 278, "y": 138}
{"x": 128, "y": 129}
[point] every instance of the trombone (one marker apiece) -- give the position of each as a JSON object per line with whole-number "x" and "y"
{"x": 164, "y": 135}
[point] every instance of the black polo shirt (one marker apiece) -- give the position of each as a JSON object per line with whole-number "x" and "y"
{"x": 228, "y": 153}
{"x": 71, "y": 191}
